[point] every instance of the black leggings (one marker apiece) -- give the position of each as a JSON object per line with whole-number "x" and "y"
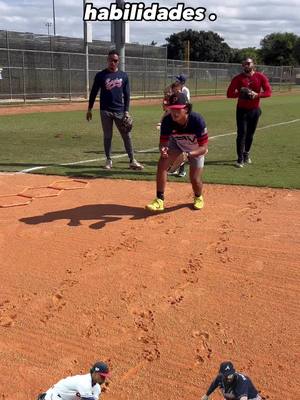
{"x": 246, "y": 121}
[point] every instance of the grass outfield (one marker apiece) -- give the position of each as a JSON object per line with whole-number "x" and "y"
{"x": 50, "y": 139}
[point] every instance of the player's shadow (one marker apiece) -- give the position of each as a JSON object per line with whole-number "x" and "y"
{"x": 102, "y": 213}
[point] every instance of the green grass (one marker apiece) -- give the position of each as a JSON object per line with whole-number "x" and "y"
{"x": 50, "y": 139}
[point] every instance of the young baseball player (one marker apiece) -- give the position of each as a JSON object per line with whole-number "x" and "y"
{"x": 182, "y": 132}
{"x": 233, "y": 385}
{"x": 84, "y": 387}
{"x": 177, "y": 168}
{"x": 181, "y": 80}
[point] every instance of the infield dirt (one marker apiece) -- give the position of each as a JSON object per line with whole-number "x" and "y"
{"x": 91, "y": 275}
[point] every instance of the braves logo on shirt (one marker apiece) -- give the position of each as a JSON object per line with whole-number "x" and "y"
{"x": 112, "y": 83}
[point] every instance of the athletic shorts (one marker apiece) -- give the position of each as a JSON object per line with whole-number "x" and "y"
{"x": 196, "y": 162}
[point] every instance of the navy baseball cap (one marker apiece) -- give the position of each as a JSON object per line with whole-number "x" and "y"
{"x": 177, "y": 101}
{"x": 226, "y": 368}
{"x": 181, "y": 78}
{"x": 101, "y": 368}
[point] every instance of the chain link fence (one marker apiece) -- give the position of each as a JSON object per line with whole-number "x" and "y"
{"x": 30, "y": 74}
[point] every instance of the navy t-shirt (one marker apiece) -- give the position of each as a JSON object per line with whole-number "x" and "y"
{"x": 114, "y": 91}
{"x": 188, "y": 137}
{"x": 239, "y": 387}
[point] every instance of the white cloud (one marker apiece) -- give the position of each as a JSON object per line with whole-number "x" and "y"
{"x": 240, "y": 24}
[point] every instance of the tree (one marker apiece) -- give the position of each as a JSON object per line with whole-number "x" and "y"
{"x": 296, "y": 50}
{"x": 153, "y": 43}
{"x": 238, "y": 55}
{"x": 204, "y": 46}
{"x": 277, "y": 48}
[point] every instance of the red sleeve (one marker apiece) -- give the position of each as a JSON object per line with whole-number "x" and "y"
{"x": 203, "y": 138}
{"x": 267, "y": 90}
{"x": 232, "y": 91}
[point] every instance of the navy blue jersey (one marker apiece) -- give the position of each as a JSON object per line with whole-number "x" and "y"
{"x": 114, "y": 91}
{"x": 188, "y": 137}
{"x": 239, "y": 387}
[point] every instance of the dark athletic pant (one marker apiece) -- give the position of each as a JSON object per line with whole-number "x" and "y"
{"x": 107, "y": 119}
{"x": 246, "y": 121}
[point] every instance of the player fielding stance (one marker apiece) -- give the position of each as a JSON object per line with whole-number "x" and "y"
{"x": 233, "y": 385}
{"x": 85, "y": 387}
{"x": 182, "y": 133}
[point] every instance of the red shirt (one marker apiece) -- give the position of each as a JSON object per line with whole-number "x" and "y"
{"x": 257, "y": 82}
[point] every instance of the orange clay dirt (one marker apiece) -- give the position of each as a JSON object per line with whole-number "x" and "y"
{"x": 91, "y": 275}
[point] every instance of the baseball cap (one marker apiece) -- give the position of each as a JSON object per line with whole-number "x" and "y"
{"x": 226, "y": 368}
{"x": 177, "y": 101}
{"x": 181, "y": 78}
{"x": 101, "y": 368}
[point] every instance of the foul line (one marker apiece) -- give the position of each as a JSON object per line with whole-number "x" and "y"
{"x": 24, "y": 171}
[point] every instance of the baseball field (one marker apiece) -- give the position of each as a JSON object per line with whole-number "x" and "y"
{"x": 88, "y": 274}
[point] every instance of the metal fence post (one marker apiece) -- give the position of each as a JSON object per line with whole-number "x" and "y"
{"x": 70, "y": 78}
{"x": 144, "y": 79}
{"x": 291, "y": 72}
{"x": 52, "y": 67}
{"x": 166, "y": 73}
{"x": 216, "y": 85}
{"x": 24, "y": 76}
{"x": 9, "y": 66}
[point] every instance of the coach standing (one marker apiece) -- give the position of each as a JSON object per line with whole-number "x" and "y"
{"x": 248, "y": 87}
{"x": 114, "y": 105}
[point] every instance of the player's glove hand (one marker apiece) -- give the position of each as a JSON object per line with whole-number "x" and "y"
{"x": 246, "y": 93}
{"x": 127, "y": 122}
{"x": 181, "y": 159}
{"x": 205, "y": 397}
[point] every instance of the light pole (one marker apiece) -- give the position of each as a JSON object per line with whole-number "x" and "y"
{"x": 48, "y": 25}
{"x": 86, "y": 48}
{"x": 54, "y": 25}
{"x": 120, "y": 37}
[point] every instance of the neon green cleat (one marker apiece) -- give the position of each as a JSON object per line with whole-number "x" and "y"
{"x": 198, "y": 202}
{"x": 156, "y": 205}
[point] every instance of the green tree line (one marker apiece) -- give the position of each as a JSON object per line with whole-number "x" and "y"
{"x": 275, "y": 48}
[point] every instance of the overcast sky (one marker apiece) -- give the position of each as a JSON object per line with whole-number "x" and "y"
{"x": 240, "y": 23}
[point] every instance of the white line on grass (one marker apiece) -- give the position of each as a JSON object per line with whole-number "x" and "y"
{"x": 24, "y": 171}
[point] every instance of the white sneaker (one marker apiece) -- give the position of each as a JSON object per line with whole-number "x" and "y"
{"x": 108, "y": 164}
{"x": 239, "y": 164}
{"x": 247, "y": 159}
{"x": 174, "y": 173}
{"x": 136, "y": 165}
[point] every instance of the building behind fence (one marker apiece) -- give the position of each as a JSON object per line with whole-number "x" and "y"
{"x": 47, "y": 67}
